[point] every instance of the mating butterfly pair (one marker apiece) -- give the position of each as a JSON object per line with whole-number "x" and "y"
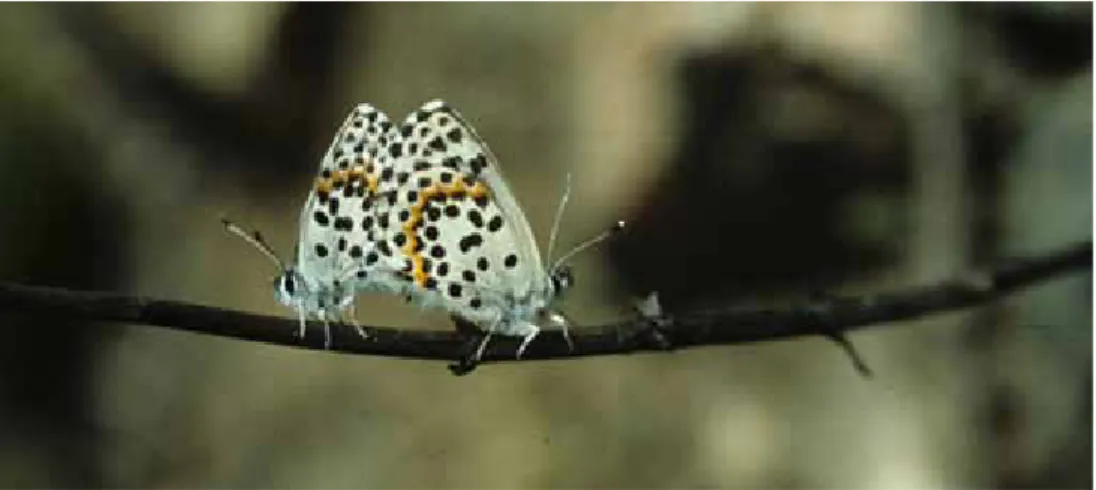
{"x": 420, "y": 210}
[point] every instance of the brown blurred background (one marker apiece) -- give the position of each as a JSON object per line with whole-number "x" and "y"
{"x": 760, "y": 153}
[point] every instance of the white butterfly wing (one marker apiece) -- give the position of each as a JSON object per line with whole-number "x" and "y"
{"x": 466, "y": 243}
{"x": 335, "y": 223}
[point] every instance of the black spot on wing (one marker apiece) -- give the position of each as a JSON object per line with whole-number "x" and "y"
{"x": 469, "y": 242}
{"x": 437, "y": 144}
{"x": 454, "y": 135}
{"x": 495, "y": 224}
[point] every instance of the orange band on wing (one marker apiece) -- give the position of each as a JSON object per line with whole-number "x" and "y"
{"x": 340, "y": 178}
{"x": 453, "y": 189}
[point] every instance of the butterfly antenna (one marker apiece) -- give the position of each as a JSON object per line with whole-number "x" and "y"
{"x": 559, "y": 216}
{"x": 618, "y": 226}
{"x": 255, "y": 239}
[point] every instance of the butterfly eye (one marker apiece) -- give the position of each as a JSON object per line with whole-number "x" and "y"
{"x": 288, "y": 285}
{"x": 285, "y": 288}
{"x": 562, "y": 279}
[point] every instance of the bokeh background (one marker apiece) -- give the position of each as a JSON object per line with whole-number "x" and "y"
{"x": 760, "y": 153}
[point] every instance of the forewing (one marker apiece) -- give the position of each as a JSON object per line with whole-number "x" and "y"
{"x": 336, "y": 225}
{"x": 465, "y": 242}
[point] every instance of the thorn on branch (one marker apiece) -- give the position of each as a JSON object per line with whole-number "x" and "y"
{"x": 820, "y": 313}
{"x": 658, "y": 323}
{"x": 466, "y": 362}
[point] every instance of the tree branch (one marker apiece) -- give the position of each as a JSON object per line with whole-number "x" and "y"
{"x": 827, "y": 317}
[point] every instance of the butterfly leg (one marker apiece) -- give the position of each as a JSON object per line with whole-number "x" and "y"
{"x": 482, "y": 347}
{"x": 472, "y": 350}
{"x": 486, "y": 338}
{"x": 528, "y": 332}
{"x": 348, "y": 302}
{"x": 301, "y": 316}
{"x": 354, "y": 321}
{"x": 556, "y": 319}
{"x": 567, "y": 337}
{"x": 326, "y": 329}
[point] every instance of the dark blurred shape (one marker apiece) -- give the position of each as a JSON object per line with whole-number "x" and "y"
{"x": 772, "y": 149}
{"x": 273, "y": 125}
{"x": 1042, "y": 38}
{"x": 61, "y": 229}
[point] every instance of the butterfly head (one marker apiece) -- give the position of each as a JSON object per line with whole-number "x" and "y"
{"x": 559, "y": 273}
{"x": 562, "y": 279}
{"x": 290, "y": 287}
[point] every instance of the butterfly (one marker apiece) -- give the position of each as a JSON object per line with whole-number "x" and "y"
{"x": 466, "y": 246}
{"x": 422, "y": 211}
{"x": 337, "y": 256}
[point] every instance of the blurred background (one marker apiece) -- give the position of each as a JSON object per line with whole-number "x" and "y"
{"x": 760, "y": 153}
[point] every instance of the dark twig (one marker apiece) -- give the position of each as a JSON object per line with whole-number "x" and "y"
{"x": 836, "y": 315}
